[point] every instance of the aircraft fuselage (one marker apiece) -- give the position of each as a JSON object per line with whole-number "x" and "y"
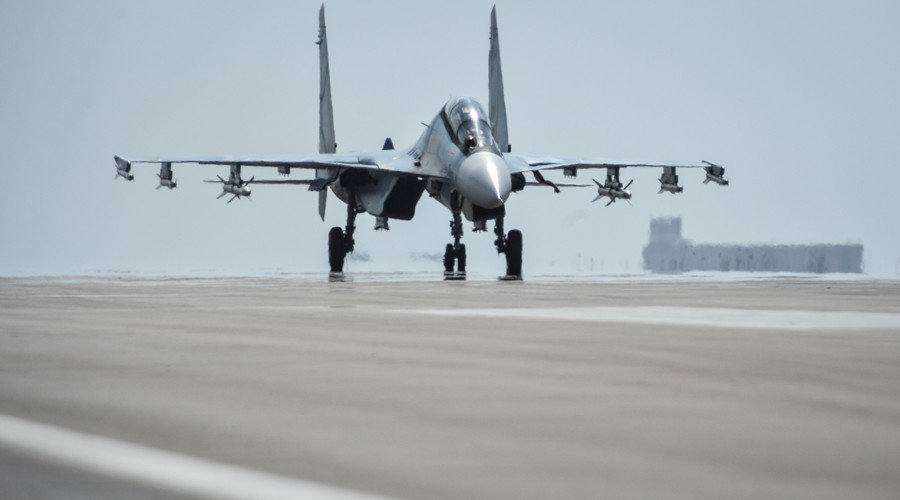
{"x": 459, "y": 145}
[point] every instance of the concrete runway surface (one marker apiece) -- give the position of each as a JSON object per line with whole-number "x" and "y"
{"x": 285, "y": 388}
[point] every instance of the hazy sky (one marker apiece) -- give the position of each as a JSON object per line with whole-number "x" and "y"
{"x": 799, "y": 100}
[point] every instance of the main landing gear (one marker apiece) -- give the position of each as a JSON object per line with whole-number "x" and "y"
{"x": 455, "y": 252}
{"x": 511, "y": 245}
{"x": 340, "y": 242}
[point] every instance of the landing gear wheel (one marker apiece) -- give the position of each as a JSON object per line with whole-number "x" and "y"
{"x": 448, "y": 260}
{"x": 514, "y": 255}
{"x": 336, "y": 249}
{"x": 461, "y": 260}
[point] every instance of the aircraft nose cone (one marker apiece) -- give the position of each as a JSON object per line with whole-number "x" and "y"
{"x": 484, "y": 179}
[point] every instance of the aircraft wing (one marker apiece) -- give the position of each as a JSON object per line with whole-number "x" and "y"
{"x": 569, "y": 166}
{"x": 520, "y": 163}
{"x": 384, "y": 161}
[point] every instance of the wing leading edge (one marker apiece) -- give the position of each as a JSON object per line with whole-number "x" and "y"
{"x": 520, "y": 163}
{"x": 569, "y": 166}
{"x": 382, "y": 161}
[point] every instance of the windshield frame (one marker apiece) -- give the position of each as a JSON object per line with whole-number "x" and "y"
{"x": 468, "y": 126}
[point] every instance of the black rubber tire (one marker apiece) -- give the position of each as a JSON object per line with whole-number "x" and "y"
{"x": 336, "y": 252}
{"x": 461, "y": 259}
{"x": 514, "y": 253}
{"x": 448, "y": 258}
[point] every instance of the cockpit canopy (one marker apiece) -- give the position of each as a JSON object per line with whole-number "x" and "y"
{"x": 469, "y": 125}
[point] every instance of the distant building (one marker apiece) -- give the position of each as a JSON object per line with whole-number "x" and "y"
{"x": 668, "y": 252}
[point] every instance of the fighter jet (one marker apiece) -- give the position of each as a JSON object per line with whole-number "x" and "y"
{"x": 463, "y": 160}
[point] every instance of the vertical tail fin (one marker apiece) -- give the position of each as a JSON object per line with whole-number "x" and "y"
{"x": 496, "y": 102}
{"x": 326, "y": 112}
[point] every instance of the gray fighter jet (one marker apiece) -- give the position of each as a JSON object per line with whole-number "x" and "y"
{"x": 463, "y": 160}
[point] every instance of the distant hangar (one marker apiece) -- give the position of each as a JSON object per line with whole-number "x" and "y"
{"x": 668, "y": 252}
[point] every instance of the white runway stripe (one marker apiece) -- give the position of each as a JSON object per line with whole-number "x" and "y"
{"x": 690, "y": 316}
{"x": 161, "y": 469}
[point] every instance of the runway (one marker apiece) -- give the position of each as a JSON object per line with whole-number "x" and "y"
{"x": 184, "y": 388}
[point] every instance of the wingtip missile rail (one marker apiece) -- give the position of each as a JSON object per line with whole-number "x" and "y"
{"x": 123, "y": 169}
{"x": 715, "y": 173}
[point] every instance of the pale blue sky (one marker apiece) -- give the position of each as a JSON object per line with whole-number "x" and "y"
{"x": 799, "y": 100}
